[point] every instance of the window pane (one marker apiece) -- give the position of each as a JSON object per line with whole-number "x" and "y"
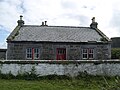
{"x": 91, "y": 53}
{"x": 85, "y": 54}
{"x": 36, "y": 53}
{"x": 91, "y": 56}
{"x": 60, "y": 51}
{"x": 29, "y": 53}
{"x": 90, "y": 50}
{"x": 84, "y": 50}
{"x": 37, "y": 56}
{"x": 36, "y": 50}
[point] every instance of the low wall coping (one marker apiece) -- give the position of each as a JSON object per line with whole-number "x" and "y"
{"x": 58, "y": 61}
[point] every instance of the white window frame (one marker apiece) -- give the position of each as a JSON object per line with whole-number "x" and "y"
{"x": 91, "y": 52}
{"x": 36, "y": 53}
{"x": 33, "y": 53}
{"x": 29, "y": 53}
{"x": 86, "y": 52}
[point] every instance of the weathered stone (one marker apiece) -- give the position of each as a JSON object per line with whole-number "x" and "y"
{"x": 48, "y": 50}
{"x": 63, "y": 69}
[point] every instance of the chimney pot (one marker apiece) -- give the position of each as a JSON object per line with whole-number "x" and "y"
{"x": 45, "y": 23}
{"x": 42, "y": 24}
{"x": 93, "y": 19}
{"x": 21, "y": 17}
{"x": 93, "y": 24}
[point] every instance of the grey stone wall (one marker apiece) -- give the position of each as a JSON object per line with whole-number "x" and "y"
{"x": 48, "y": 50}
{"x": 3, "y": 54}
{"x": 63, "y": 69}
{"x": 15, "y": 51}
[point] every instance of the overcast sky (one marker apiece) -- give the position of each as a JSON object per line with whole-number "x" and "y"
{"x": 60, "y": 13}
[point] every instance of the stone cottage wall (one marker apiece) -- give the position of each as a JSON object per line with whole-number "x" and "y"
{"x": 48, "y": 50}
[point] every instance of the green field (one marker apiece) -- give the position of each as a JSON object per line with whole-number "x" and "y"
{"x": 94, "y": 83}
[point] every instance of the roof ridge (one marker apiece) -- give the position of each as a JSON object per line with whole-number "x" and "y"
{"x": 70, "y": 26}
{"x": 54, "y": 26}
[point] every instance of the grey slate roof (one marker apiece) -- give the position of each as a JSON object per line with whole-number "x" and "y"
{"x": 55, "y": 34}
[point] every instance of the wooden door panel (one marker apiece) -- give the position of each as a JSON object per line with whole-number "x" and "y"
{"x": 61, "y": 54}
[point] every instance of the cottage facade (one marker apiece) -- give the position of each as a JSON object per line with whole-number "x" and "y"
{"x": 43, "y": 42}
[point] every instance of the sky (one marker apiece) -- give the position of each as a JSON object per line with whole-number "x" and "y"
{"x": 60, "y": 13}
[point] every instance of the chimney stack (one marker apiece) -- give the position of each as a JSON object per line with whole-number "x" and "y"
{"x": 44, "y": 23}
{"x": 20, "y": 22}
{"x": 93, "y": 24}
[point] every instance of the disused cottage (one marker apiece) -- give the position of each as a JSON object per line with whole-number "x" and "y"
{"x": 43, "y": 42}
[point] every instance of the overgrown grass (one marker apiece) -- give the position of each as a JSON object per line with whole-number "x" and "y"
{"x": 54, "y": 82}
{"x": 48, "y": 85}
{"x": 32, "y": 81}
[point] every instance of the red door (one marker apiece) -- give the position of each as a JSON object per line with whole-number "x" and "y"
{"x": 61, "y": 54}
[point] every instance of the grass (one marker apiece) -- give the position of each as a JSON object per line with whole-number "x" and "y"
{"x": 44, "y": 85}
{"x": 79, "y": 83}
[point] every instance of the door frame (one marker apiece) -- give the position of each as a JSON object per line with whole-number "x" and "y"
{"x": 57, "y": 53}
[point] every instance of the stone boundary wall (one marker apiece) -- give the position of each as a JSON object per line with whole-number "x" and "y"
{"x": 71, "y": 69}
